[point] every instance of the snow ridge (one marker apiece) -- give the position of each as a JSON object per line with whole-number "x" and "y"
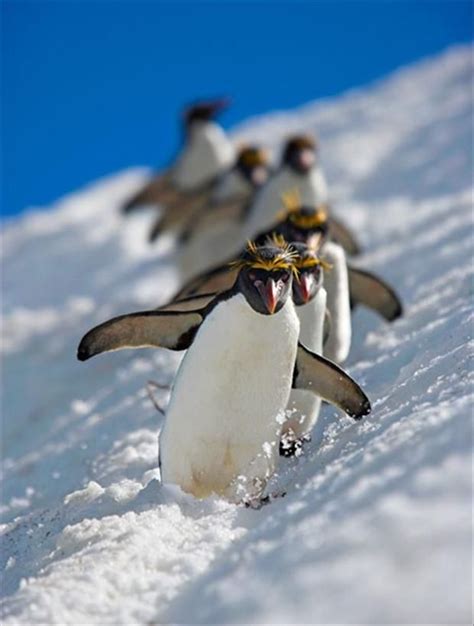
{"x": 376, "y": 524}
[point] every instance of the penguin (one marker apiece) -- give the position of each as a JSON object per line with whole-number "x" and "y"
{"x": 299, "y": 169}
{"x": 223, "y": 424}
{"x": 206, "y": 154}
{"x": 310, "y": 298}
{"x": 313, "y": 226}
{"x": 213, "y": 232}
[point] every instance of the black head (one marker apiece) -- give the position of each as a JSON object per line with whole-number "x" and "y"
{"x": 253, "y": 163}
{"x": 308, "y": 225}
{"x": 304, "y": 223}
{"x": 300, "y": 153}
{"x": 204, "y": 110}
{"x": 265, "y": 276}
{"x": 309, "y": 277}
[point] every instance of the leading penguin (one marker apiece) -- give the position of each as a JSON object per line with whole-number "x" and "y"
{"x": 223, "y": 425}
{"x": 206, "y": 154}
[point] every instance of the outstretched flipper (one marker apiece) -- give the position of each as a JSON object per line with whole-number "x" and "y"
{"x": 343, "y": 236}
{"x": 372, "y": 292}
{"x": 146, "y": 329}
{"x": 326, "y": 379}
{"x": 159, "y": 190}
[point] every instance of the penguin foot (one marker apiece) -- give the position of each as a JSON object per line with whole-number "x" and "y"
{"x": 291, "y": 446}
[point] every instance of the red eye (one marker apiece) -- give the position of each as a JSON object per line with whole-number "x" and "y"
{"x": 252, "y": 275}
{"x": 285, "y": 277}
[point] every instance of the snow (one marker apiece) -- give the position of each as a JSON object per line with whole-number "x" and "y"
{"x": 376, "y": 523}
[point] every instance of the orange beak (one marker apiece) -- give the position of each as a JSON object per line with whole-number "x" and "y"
{"x": 305, "y": 287}
{"x": 269, "y": 294}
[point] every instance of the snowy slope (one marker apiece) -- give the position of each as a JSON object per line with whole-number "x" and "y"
{"x": 376, "y": 524}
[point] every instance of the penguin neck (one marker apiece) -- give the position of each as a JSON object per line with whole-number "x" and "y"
{"x": 207, "y": 153}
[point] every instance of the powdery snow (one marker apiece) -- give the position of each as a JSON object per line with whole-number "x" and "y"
{"x": 375, "y": 527}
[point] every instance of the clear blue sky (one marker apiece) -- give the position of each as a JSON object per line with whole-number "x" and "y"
{"x": 93, "y": 87}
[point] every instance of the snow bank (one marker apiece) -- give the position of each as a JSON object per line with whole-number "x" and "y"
{"x": 376, "y": 524}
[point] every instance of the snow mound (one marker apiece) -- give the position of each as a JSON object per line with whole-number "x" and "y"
{"x": 375, "y": 527}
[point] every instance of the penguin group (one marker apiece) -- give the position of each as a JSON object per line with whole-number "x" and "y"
{"x": 263, "y": 310}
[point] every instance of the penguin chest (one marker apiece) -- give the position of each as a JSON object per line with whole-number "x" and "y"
{"x": 207, "y": 154}
{"x": 230, "y": 393}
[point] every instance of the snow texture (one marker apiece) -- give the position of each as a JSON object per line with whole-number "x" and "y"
{"x": 375, "y": 526}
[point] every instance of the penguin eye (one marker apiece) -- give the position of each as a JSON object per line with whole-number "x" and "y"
{"x": 285, "y": 277}
{"x": 252, "y": 275}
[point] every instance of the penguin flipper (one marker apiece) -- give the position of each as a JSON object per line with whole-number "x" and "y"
{"x": 174, "y": 330}
{"x": 178, "y": 211}
{"x": 371, "y": 291}
{"x": 327, "y": 380}
{"x": 159, "y": 190}
{"x": 343, "y": 236}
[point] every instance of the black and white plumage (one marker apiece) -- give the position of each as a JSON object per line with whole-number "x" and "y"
{"x": 301, "y": 172}
{"x": 223, "y": 425}
{"x": 298, "y": 170}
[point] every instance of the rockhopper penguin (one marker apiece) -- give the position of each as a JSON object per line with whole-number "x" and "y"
{"x": 223, "y": 424}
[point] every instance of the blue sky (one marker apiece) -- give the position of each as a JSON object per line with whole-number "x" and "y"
{"x": 90, "y": 88}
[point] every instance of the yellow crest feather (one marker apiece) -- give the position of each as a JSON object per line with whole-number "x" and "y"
{"x": 283, "y": 260}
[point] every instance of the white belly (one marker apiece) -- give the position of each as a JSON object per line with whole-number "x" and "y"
{"x": 223, "y": 423}
{"x": 304, "y": 406}
{"x": 208, "y": 153}
{"x": 268, "y": 203}
{"x": 336, "y": 282}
